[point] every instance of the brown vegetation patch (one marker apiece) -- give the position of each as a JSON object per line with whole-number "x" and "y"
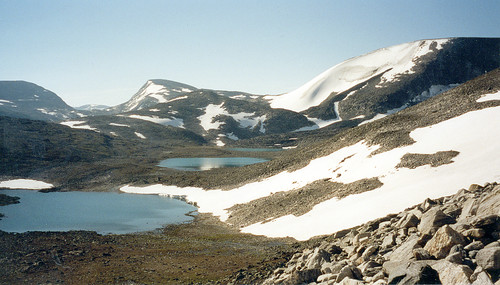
{"x": 296, "y": 202}
{"x": 414, "y": 160}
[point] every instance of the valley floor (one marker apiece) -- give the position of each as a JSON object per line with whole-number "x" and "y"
{"x": 204, "y": 251}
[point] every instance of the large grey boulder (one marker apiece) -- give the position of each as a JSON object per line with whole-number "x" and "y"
{"x": 445, "y": 238}
{"x": 411, "y": 272}
{"x": 480, "y": 277}
{"x": 317, "y": 258}
{"x": 451, "y": 273}
{"x": 490, "y": 205}
{"x": 489, "y": 258}
{"x": 349, "y": 271}
{"x": 432, "y": 220}
{"x": 407, "y": 221}
{"x": 405, "y": 250}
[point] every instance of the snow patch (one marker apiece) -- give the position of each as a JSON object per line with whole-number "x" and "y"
{"x": 78, "y": 125}
{"x": 119, "y": 125}
{"x": 489, "y": 97}
{"x": 174, "y": 122}
{"x": 28, "y": 184}
{"x": 232, "y": 136}
{"x": 177, "y": 98}
{"x": 140, "y": 135}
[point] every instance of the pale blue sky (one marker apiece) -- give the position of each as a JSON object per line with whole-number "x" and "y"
{"x": 102, "y": 52}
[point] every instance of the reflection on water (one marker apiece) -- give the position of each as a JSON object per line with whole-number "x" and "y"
{"x": 206, "y": 163}
{"x": 116, "y": 213}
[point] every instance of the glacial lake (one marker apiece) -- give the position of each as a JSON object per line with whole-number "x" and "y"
{"x": 206, "y": 163}
{"x": 116, "y": 213}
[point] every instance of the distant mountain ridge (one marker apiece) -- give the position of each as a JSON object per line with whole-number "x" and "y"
{"x": 356, "y": 91}
{"x": 21, "y": 99}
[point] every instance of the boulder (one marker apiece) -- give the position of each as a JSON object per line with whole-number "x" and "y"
{"x": 369, "y": 251}
{"x": 490, "y": 205}
{"x": 474, "y": 233}
{"x": 411, "y": 272}
{"x": 350, "y": 281}
{"x": 421, "y": 254}
{"x": 451, "y": 273}
{"x": 480, "y": 277}
{"x": 445, "y": 238}
{"x": 303, "y": 276}
{"x": 317, "y": 258}
{"x": 407, "y": 221}
{"x": 405, "y": 250}
{"x": 370, "y": 268}
{"x": 469, "y": 209}
{"x": 432, "y": 220}
{"x": 326, "y": 277}
{"x": 388, "y": 241}
{"x": 349, "y": 271}
{"x": 476, "y": 245}
{"x": 489, "y": 258}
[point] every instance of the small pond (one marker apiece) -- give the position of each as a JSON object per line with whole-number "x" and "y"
{"x": 116, "y": 213}
{"x": 206, "y": 163}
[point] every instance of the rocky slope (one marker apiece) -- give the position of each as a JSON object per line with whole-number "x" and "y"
{"x": 449, "y": 240}
{"x": 21, "y": 99}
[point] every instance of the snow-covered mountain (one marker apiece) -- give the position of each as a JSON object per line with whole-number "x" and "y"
{"x": 92, "y": 107}
{"x": 427, "y": 151}
{"x": 219, "y": 116}
{"x": 23, "y": 99}
{"x": 151, "y": 93}
{"x": 390, "y": 79}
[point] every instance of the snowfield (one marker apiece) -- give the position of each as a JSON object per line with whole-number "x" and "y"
{"x": 245, "y": 120}
{"x": 174, "y": 122}
{"x": 28, "y": 184}
{"x": 78, "y": 125}
{"x": 402, "y": 187}
{"x": 390, "y": 62}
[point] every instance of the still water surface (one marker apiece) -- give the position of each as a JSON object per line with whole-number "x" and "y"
{"x": 206, "y": 163}
{"x": 116, "y": 213}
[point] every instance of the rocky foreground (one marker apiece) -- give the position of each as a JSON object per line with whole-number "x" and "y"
{"x": 451, "y": 240}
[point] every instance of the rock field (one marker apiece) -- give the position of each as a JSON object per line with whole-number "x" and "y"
{"x": 450, "y": 240}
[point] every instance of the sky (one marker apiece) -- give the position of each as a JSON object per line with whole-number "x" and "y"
{"x": 102, "y": 52}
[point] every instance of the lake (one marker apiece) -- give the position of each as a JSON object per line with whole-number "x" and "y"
{"x": 206, "y": 163}
{"x": 116, "y": 213}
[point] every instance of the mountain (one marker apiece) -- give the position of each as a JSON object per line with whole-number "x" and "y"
{"x": 220, "y": 118}
{"x": 92, "y": 107}
{"x": 387, "y": 80}
{"x": 23, "y": 99}
{"x": 151, "y": 93}
{"x": 428, "y": 150}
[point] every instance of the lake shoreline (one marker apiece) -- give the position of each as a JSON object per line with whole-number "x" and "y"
{"x": 202, "y": 251}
